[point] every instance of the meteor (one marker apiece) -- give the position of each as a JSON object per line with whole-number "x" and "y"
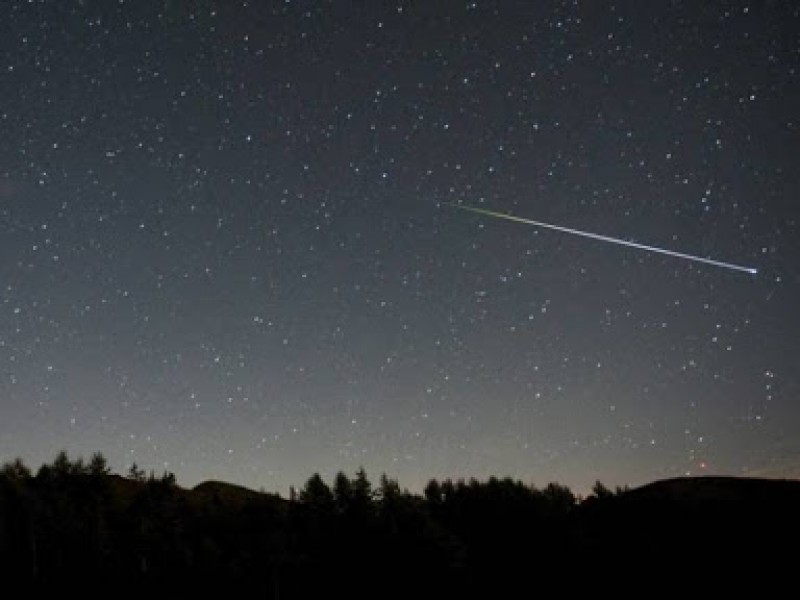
{"x": 605, "y": 238}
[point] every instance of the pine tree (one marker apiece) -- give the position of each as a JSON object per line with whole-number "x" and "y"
{"x": 16, "y": 470}
{"x": 136, "y": 474}
{"x": 342, "y": 492}
{"x": 316, "y": 493}
{"x": 98, "y": 465}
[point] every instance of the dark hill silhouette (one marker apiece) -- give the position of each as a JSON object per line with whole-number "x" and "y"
{"x": 717, "y": 489}
{"x": 709, "y": 525}
{"x": 228, "y": 494}
{"x": 74, "y": 525}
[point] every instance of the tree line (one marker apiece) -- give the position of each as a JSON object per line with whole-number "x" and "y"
{"x": 74, "y": 523}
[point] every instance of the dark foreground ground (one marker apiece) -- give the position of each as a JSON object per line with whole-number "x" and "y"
{"x": 75, "y": 527}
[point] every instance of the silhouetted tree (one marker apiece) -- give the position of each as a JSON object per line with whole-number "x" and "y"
{"x": 448, "y": 490}
{"x": 600, "y": 491}
{"x": 342, "y": 492}
{"x": 98, "y": 466}
{"x": 388, "y": 489}
{"x": 362, "y": 489}
{"x": 61, "y": 466}
{"x": 136, "y": 474}
{"x": 316, "y": 493}
{"x": 16, "y": 469}
{"x": 433, "y": 492}
{"x": 560, "y": 498}
{"x": 166, "y": 479}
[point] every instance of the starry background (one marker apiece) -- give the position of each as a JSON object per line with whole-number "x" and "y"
{"x": 224, "y": 249}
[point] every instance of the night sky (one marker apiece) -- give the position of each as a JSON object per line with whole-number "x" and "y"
{"x": 226, "y": 249}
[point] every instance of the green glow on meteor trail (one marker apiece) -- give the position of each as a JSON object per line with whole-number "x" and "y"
{"x": 605, "y": 238}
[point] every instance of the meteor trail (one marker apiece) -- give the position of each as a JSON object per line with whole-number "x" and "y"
{"x": 605, "y": 238}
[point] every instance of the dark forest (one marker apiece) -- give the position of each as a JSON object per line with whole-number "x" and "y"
{"x": 75, "y": 525}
